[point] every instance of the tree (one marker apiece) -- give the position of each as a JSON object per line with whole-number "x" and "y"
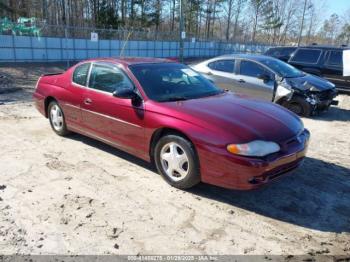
{"x": 272, "y": 21}
{"x": 257, "y": 7}
{"x": 331, "y": 28}
{"x": 344, "y": 36}
{"x": 229, "y": 17}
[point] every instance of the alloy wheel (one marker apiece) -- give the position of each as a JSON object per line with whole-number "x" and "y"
{"x": 174, "y": 161}
{"x": 56, "y": 117}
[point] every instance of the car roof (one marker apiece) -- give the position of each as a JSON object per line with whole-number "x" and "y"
{"x": 247, "y": 56}
{"x": 275, "y": 47}
{"x": 328, "y": 47}
{"x": 130, "y": 60}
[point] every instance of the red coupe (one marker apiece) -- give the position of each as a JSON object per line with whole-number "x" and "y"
{"x": 166, "y": 113}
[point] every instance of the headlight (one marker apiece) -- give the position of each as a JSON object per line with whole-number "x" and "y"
{"x": 331, "y": 84}
{"x": 314, "y": 88}
{"x": 254, "y": 148}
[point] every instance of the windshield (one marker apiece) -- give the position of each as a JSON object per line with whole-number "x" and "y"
{"x": 282, "y": 69}
{"x": 172, "y": 82}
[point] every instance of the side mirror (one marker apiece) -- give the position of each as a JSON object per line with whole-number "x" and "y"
{"x": 265, "y": 77}
{"x": 128, "y": 93}
{"x": 125, "y": 93}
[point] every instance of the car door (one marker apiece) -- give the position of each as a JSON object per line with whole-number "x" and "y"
{"x": 255, "y": 80}
{"x": 222, "y": 73}
{"x": 116, "y": 120}
{"x": 333, "y": 69}
{"x": 72, "y": 100}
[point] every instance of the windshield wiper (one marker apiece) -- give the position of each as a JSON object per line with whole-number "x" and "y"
{"x": 175, "y": 98}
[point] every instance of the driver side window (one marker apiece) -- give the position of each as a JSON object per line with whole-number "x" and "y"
{"x": 252, "y": 69}
{"x": 108, "y": 79}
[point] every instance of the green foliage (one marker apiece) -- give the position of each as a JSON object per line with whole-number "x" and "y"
{"x": 107, "y": 17}
{"x": 271, "y": 19}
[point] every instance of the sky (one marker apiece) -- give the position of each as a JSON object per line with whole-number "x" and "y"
{"x": 337, "y": 6}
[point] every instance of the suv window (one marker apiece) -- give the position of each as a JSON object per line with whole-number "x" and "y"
{"x": 335, "y": 58}
{"x": 223, "y": 65}
{"x": 307, "y": 56}
{"x": 252, "y": 69}
{"x": 80, "y": 74}
{"x": 277, "y": 52}
{"x": 108, "y": 79}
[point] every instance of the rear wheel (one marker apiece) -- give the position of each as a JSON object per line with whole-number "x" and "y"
{"x": 57, "y": 119}
{"x": 177, "y": 162}
{"x": 299, "y": 106}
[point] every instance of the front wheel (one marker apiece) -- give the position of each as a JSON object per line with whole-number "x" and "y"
{"x": 299, "y": 106}
{"x": 176, "y": 161}
{"x": 57, "y": 119}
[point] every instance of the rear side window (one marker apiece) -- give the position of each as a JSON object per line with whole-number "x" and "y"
{"x": 80, "y": 74}
{"x": 335, "y": 58}
{"x": 223, "y": 65}
{"x": 252, "y": 69}
{"x": 288, "y": 51}
{"x": 307, "y": 56}
{"x": 108, "y": 79}
{"x": 275, "y": 52}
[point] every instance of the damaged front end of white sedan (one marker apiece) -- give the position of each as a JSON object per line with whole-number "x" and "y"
{"x": 306, "y": 95}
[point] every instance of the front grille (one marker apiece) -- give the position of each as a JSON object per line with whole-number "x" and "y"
{"x": 325, "y": 95}
{"x": 273, "y": 174}
{"x": 280, "y": 171}
{"x": 293, "y": 142}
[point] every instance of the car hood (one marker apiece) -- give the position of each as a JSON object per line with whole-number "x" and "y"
{"x": 239, "y": 118}
{"x": 305, "y": 82}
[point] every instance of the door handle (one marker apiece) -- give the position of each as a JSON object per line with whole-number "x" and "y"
{"x": 87, "y": 101}
{"x": 209, "y": 73}
{"x": 241, "y": 81}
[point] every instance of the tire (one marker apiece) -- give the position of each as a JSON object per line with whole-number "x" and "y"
{"x": 57, "y": 120}
{"x": 183, "y": 172}
{"x": 299, "y": 106}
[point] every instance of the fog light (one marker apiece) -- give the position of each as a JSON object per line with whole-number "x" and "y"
{"x": 311, "y": 100}
{"x": 255, "y": 180}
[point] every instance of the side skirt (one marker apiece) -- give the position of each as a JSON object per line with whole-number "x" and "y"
{"x": 79, "y": 130}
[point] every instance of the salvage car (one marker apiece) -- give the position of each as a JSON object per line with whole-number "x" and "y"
{"x": 319, "y": 60}
{"x": 168, "y": 114}
{"x": 270, "y": 79}
{"x": 282, "y": 53}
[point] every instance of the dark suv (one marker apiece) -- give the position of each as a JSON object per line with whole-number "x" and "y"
{"x": 282, "y": 53}
{"x": 324, "y": 61}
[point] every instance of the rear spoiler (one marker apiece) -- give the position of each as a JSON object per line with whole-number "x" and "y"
{"x": 52, "y": 74}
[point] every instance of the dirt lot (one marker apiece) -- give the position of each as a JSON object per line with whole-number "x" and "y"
{"x": 78, "y": 196}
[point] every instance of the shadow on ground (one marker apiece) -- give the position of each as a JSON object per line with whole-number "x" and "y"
{"x": 111, "y": 150}
{"x": 334, "y": 114}
{"x": 315, "y": 196}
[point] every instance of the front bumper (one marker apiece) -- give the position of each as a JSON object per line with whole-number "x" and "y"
{"x": 322, "y": 100}
{"x": 245, "y": 173}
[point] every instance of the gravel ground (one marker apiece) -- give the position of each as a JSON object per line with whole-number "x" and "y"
{"x": 78, "y": 196}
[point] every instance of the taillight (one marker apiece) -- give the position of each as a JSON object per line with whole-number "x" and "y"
{"x": 37, "y": 83}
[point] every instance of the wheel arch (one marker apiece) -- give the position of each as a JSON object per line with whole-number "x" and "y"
{"x": 47, "y": 101}
{"x": 162, "y": 131}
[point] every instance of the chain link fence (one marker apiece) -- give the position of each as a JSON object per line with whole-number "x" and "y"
{"x": 60, "y": 43}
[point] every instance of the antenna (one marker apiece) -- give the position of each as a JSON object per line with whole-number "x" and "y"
{"x": 125, "y": 42}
